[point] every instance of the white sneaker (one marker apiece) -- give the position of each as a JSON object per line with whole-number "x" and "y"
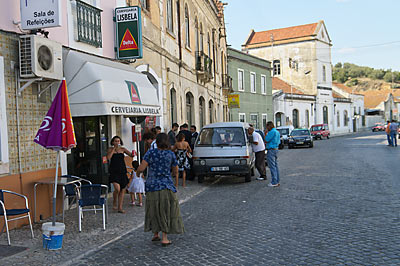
{"x": 260, "y": 178}
{"x": 271, "y": 185}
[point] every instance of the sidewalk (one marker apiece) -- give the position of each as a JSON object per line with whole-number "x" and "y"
{"x": 92, "y": 237}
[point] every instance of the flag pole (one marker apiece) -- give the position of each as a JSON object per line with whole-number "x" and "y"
{"x": 55, "y": 190}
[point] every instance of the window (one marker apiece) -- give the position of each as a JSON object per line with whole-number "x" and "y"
{"x": 208, "y": 45}
{"x": 89, "y": 24}
{"x": 145, "y": 4}
{"x": 254, "y": 120}
{"x": 253, "y": 82}
{"x": 307, "y": 118}
{"x": 263, "y": 84}
{"x": 201, "y": 37}
{"x": 173, "y": 105}
{"x": 293, "y": 64}
{"x": 187, "y": 26}
{"x": 345, "y": 119}
{"x": 242, "y": 117}
{"x": 4, "y": 160}
{"x": 295, "y": 117}
{"x": 202, "y": 111}
{"x": 211, "y": 110}
{"x": 264, "y": 121}
{"x": 277, "y": 67}
{"x": 197, "y": 35}
{"x": 338, "y": 118}
{"x": 278, "y": 119}
{"x": 170, "y": 17}
{"x": 325, "y": 114}
{"x": 189, "y": 108}
{"x": 323, "y": 73}
{"x": 240, "y": 80}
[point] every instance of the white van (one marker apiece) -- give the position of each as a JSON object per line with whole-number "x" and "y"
{"x": 223, "y": 149}
{"x": 285, "y": 132}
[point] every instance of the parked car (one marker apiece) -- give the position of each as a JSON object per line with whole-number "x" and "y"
{"x": 320, "y": 131}
{"x": 378, "y": 127}
{"x": 285, "y": 131}
{"x": 300, "y": 137}
{"x": 223, "y": 149}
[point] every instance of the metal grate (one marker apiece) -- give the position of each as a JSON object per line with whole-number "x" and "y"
{"x": 89, "y": 24}
{"x": 25, "y": 56}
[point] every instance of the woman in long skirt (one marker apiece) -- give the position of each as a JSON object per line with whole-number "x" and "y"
{"x": 162, "y": 205}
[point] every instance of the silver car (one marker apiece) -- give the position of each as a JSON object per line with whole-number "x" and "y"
{"x": 223, "y": 149}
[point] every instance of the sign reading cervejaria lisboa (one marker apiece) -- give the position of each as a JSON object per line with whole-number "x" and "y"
{"x": 37, "y": 14}
{"x": 128, "y": 28}
{"x": 135, "y": 110}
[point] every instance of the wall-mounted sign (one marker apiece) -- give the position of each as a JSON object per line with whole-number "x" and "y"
{"x": 128, "y": 28}
{"x": 37, "y": 14}
{"x": 233, "y": 101}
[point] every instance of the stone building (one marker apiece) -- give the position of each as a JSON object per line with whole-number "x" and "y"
{"x": 185, "y": 54}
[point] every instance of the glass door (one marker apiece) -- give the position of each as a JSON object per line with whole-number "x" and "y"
{"x": 88, "y": 160}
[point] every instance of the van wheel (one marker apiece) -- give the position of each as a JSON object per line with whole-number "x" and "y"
{"x": 247, "y": 177}
{"x": 200, "y": 179}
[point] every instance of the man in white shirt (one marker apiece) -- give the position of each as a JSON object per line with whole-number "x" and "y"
{"x": 259, "y": 151}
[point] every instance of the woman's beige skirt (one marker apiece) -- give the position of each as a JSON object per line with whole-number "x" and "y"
{"x": 163, "y": 213}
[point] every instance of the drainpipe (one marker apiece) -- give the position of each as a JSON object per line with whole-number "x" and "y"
{"x": 18, "y": 135}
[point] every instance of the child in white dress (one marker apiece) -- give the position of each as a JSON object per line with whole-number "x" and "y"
{"x": 136, "y": 185}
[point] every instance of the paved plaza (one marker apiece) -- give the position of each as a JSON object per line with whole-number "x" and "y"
{"x": 338, "y": 204}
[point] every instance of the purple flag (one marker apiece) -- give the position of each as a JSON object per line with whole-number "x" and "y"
{"x": 49, "y": 134}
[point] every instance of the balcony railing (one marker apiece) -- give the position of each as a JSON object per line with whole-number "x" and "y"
{"x": 226, "y": 82}
{"x": 204, "y": 66}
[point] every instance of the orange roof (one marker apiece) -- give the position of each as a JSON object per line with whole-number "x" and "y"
{"x": 335, "y": 95}
{"x": 345, "y": 88}
{"x": 278, "y": 84}
{"x": 283, "y": 34}
{"x": 372, "y": 98}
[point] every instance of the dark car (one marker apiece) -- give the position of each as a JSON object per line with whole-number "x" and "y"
{"x": 300, "y": 137}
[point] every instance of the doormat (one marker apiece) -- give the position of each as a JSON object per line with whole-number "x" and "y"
{"x": 6, "y": 250}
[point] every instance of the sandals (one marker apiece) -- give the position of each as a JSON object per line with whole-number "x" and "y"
{"x": 156, "y": 238}
{"x": 121, "y": 211}
{"x": 166, "y": 244}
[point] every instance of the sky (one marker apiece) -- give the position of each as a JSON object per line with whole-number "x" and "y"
{"x": 363, "y": 32}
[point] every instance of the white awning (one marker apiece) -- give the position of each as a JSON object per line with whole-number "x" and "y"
{"x": 97, "y": 86}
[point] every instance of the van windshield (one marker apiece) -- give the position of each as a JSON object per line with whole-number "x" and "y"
{"x": 316, "y": 128}
{"x": 283, "y": 131}
{"x": 221, "y": 136}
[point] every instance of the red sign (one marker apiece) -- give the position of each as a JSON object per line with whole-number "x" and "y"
{"x": 104, "y": 159}
{"x": 128, "y": 42}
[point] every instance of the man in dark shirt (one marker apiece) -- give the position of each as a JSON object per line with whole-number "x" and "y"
{"x": 172, "y": 134}
{"x": 194, "y": 136}
{"x": 186, "y": 132}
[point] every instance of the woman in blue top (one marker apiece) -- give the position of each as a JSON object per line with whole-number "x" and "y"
{"x": 162, "y": 205}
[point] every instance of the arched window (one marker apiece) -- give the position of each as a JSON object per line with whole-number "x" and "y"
{"x": 189, "y": 108}
{"x": 346, "y": 122}
{"x": 173, "y": 105}
{"x": 202, "y": 112}
{"x": 170, "y": 16}
{"x": 325, "y": 114}
{"x": 187, "y": 26}
{"x": 295, "y": 118}
{"x": 307, "y": 118}
{"x": 201, "y": 37}
{"x": 211, "y": 110}
{"x": 277, "y": 67}
{"x": 278, "y": 119}
{"x": 338, "y": 118}
{"x": 197, "y": 34}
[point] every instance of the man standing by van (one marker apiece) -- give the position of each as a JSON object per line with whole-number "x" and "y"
{"x": 273, "y": 139}
{"x": 393, "y": 133}
{"x": 259, "y": 151}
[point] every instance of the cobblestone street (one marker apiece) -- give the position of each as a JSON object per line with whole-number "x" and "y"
{"x": 338, "y": 204}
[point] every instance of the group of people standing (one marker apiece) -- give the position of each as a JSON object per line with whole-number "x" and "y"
{"x": 391, "y": 132}
{"x": 167, "y": 156}
{"x": 272, "y": 139}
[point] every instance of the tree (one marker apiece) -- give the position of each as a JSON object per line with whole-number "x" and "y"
{"x": 338, "y": 65}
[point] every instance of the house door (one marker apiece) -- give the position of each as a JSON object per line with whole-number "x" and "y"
{"x": 88, "y": 160}
{"x": 354, "y": 125}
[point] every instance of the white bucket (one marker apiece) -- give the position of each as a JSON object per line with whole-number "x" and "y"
{"x": 53, "y": 235}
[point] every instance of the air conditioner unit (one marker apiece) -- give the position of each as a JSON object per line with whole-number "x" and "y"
{"x": 40, "y": 57}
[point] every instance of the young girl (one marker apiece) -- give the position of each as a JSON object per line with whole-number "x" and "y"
{"x": 182, "y": 149}
{"x": 136, "y": 185}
